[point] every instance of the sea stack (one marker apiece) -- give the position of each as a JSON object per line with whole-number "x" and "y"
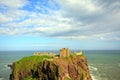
{"x": 65, "y": 66}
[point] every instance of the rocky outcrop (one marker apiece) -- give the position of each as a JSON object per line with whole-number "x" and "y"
{"x": 73, "y": 67}
{"x": 47, "y": 70}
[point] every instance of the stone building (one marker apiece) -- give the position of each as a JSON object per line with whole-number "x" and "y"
{"x": 52, "y": 54}
{"x": 40, "y": 53}
{"x": 79, "y": 53}
{"x": 36, "y": 54}
{"x": 64, "y": 52}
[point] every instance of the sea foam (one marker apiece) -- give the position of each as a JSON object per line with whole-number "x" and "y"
{"x": 93, "y": 68}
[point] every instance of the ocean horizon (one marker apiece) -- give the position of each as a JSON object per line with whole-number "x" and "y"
{"x": 103, "y": 64}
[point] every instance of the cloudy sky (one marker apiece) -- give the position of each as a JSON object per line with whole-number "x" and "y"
{"x": 53, "y": 24}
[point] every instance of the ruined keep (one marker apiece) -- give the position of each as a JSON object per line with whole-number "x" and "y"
{"x": 64, "y": 52}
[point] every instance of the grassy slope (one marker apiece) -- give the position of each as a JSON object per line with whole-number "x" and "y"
{"x": 28, "y": 63}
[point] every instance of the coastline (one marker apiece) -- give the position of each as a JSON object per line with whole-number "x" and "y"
{"x": 94, "y": 59}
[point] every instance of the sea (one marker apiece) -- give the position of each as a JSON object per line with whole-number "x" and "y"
{"x": 103, "y": 64}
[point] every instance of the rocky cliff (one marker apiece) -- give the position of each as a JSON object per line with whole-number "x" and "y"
{"x": 74, "y": 67}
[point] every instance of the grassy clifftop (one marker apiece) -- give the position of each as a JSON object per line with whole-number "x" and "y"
{"x": 27, "y": 65}
{"x": 44, "y": 67}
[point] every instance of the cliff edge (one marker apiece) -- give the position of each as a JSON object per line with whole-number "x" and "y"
{"x": 44, "y": 67}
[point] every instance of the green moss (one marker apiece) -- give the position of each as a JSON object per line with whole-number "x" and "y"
{"x": 68, "y": 78}
{"x": 82, "y": 77}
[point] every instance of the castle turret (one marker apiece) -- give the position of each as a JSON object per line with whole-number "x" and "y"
{"x": 64, "y": 52}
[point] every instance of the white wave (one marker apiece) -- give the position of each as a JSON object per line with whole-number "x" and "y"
{"x": 93, "y": 68}
{"x": 93, "y": 77}
{"x": 6, "y": 65}
{"x": 4, "y": 68}
{"x": 94, "y": 72}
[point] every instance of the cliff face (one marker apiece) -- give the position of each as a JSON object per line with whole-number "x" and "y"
{"x": 69, "y": 68}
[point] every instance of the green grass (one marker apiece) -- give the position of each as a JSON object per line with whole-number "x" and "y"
{"x": 68, "y": 78}
{"x": 30, "y": 78}
{"x": 28, "y": 63}
{"x": 31, "y": 58}
{"x": 82, "y": 77}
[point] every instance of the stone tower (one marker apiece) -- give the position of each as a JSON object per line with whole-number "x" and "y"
{"x": 64, "y": 52}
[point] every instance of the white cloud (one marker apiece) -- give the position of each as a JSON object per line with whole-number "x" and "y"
{"x": 4, "y": 18}
{"x": 77, "y": 5}
{"x": 12, "y": 15}
{"x": 77, "y": 19}
{"x": 79, "y": 9}
{"x": 12, "y": 11}
{"x": 81, "y": 37}
{"x": 13, "y": 3}
{"x": 46, "y": 25}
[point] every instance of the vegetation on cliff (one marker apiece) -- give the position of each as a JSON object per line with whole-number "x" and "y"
{"x": 44, "y": 67}
{"x": 27, "y": 66}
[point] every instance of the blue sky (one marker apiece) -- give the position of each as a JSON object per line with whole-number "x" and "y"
{"x": 53, "y": 24}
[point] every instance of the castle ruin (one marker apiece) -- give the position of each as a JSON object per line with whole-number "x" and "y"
{"x": 64, "y": 52}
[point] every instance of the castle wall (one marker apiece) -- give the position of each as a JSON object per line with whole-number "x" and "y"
{"x": 64, "y": 52}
